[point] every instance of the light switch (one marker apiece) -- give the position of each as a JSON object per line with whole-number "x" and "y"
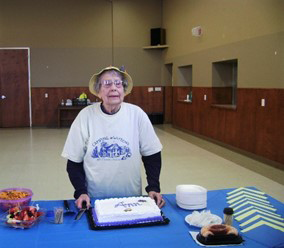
{"x": 205, "y": 97}
{"x": 158, "y": 89}
{"x": 46, "y": 95}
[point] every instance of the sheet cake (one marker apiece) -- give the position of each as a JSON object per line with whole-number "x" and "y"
{"x": 127, "y": 210}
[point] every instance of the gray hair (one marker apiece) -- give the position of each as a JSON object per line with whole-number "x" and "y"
{"x": 98, "y": 84}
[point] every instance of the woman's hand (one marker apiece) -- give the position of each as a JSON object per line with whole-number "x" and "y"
{"x": 158, "y": 198}
{"x": 83, "y": 197}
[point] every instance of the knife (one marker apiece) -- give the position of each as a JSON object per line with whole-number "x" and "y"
{"x": 82, "y": 210}
{"x": 90, "y": 219}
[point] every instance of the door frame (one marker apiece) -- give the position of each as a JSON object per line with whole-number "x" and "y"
{"x": 29, "y": 77}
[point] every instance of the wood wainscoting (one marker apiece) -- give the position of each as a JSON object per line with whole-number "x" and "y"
{"x": 248, "y": 126}
{"x": 45, "y": 101}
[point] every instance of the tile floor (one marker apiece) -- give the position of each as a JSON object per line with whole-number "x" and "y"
{"x": 31, "y": 158}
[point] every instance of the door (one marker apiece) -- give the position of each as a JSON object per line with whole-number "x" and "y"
{"x": 14, "y": 88}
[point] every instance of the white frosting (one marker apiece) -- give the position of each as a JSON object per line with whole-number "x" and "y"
{"x": 126, "y": 209}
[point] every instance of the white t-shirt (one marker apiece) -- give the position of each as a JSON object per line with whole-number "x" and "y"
{"x": 111, "y": 147}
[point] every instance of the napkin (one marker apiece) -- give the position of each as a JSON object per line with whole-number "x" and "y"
{"x": 203, "y": 218}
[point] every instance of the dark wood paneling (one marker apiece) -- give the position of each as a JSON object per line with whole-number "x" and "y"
{"x": 151, "y": 102}
{"x": 217, "y": 124}
{"x": 182, "y": 92}
{"x": 168, "y": 104}
{"x": 249, "y": 126}
{"x": 67, "y": 114}
{"x": 45, "y": 110}
{"x": 181, "y": 109}
{"x": 181, "y": 117}
{"x": 136, "y": 97}
{"x": 245, "y": 120}
{"x": 222, "y": 95}
{"x": 201, "y": 110}
{"x": 279, "y": 125}
{"x": 266, "y": 119}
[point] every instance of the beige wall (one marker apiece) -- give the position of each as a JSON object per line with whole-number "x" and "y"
{"x": 70, "y": 40}
{"x": 132, "y": 23}
{"x": 251, "y": 31}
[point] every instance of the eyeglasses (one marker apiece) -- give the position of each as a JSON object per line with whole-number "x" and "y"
{"x": 109, "y": 83}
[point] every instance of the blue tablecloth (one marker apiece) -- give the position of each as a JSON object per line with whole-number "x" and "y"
{"x": 73, "y": 234}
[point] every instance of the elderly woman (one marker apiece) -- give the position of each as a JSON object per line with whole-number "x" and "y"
{"x": 106, "y": 142}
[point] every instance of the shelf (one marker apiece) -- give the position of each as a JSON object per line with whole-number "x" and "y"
{"x": 186, "y": 101}
{"x": 156, "y": 47}
{"x": 225, "y": 106}
{"x": 67, "y": 114}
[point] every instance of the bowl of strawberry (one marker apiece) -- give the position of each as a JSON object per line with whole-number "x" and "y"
{"x": 23, "y": 217}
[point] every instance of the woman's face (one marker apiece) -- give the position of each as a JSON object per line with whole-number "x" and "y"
{"x": 112, "y": 95}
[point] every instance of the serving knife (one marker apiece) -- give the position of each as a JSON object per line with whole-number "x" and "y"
{"x": 82, "y": 211}
{"x": 67, "y": 208}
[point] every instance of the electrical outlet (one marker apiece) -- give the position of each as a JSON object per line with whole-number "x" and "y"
{"x": 158, "y": 89}
{"x": 150, "y": 89}
{"x": 205, "y": 97}
{"x": 46, "y": 95}
{"x": 262, "y": 102}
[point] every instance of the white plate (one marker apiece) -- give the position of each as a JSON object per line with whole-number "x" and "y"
{"x": 215, "y": 219}
{"x": 196, "y": 202}
{"x": 190, "y": 189}
{"x": 192, "y": 207}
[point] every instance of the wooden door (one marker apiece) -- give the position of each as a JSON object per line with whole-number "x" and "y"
{"x": 14, "y": 88}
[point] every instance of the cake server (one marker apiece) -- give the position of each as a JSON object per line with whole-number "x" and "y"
{"x": 67, "y": 208}
{"x": 82, "y": 210}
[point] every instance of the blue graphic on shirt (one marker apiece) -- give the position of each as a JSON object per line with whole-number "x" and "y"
{"x": 104, "y": 149}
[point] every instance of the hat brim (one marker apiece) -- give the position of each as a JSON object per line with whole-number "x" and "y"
{"x": 93, "y": 80}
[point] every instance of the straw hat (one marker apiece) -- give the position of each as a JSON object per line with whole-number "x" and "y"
{"x": 127, "y": 78}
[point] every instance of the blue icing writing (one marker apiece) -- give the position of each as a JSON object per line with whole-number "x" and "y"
{"x": 127, "y": 205}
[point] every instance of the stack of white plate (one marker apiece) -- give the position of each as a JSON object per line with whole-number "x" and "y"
{"x": 191, "y": 197}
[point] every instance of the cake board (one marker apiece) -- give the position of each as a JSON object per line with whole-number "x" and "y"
{"x": 220, "y": 240}
{"x": 91, "y": 216}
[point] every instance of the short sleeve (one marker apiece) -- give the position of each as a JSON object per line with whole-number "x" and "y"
{"x": 77, "y": 140}
{"x": 149, "y": 142}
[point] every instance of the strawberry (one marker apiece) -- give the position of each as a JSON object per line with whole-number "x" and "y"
{"x": 26, "y": 217}
{"x": 22, "y": 214}
{"x": 14, "y": 210}
{"x": 32, "y": 218}
{"x": 17, "y": 217}
{"x": 38, "y": 214}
